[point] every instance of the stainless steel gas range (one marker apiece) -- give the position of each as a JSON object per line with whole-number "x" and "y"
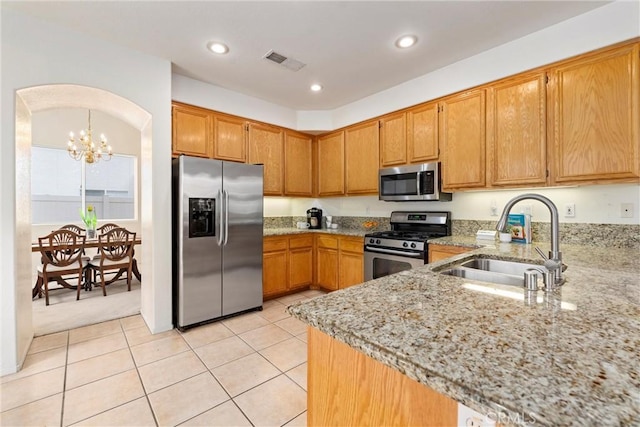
{"x": 405, "y": 246}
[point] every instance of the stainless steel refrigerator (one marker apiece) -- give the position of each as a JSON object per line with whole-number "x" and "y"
{"x": 217, "y": 239}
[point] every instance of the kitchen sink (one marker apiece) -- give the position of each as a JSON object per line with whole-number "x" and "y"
{"x": 498, "y": 266}
{"x": 491, "y": 270}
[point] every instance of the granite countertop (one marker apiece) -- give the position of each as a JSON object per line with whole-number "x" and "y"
{"x": 293, "y": 230}
{"x": 565, "y": 358}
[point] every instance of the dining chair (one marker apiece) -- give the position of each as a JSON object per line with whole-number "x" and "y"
{"x": 115, "y": 248}
{"x": 61, "y": 252}
{"x": 107, "y": 227}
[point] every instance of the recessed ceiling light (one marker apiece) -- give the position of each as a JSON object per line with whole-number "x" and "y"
{"x": 406, "y": 41}
{"x": 316, "y": 87}
{"x": 217, "y": 47}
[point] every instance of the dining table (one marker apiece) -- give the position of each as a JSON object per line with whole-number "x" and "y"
{"x": 89, "y": 243}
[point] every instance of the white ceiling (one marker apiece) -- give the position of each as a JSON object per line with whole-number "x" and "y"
{"x": 347, "y": 46}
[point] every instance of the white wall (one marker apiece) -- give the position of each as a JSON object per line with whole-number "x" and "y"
{"x": 36, "y": 53}
{"x": 216, "y": 98}
{"x": 597, "y": 204}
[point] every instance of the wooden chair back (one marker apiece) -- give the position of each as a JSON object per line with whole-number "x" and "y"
{"x": 76, "y": 229}
{"x": 61, "y": 252}
{"x": 116, "y": 245}
{"x": 116, "y": 253}
{"x": 107, "y": 227}
{"x": 62, "y": 248}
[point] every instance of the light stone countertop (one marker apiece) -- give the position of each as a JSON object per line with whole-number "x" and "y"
{"x": 292, "y": 230}
{"x": 571, "y": 357}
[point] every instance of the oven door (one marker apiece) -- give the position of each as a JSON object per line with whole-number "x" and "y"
{"x": 383, "y": 262}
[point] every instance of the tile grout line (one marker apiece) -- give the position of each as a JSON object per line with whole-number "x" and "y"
{"x": 215, "y": 379}
{"x": 64, "y": 381}
{"x": 144, "y": 390}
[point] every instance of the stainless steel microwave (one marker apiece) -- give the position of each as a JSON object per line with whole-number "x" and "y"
{"x": 411, "y": 183}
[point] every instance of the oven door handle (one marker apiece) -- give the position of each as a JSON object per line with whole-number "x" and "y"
{"x": 392, "y": 252}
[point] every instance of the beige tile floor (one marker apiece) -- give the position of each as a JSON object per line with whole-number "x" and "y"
{"x": 243, "y": 371}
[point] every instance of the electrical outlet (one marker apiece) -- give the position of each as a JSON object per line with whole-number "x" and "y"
{"x": 494, "y": 207}
{"x": 570, "y": 210}
{"x": 626, "y": 210}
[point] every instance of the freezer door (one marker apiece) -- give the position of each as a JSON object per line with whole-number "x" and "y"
{"x": 199, "y": 258}
{"x": 242, "y": 253}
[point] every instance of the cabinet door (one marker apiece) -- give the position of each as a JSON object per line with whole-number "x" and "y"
{"x": 596, "y": 117}
{"x": 330, "y": 164}
{"x": 463, "y": 136}
{"x": 393, "y": 140}
{"x": 351, "y": 268}
{"x": 300, "y": 268}
{"x": 266, "y": 147}
{"x": 422, "y": 133}
{"x": 516, "y": 131}
{"x": 274, "y": 272}
{"x": 191, "y": 129}
{"x": 362, "y": 158}
{"x": 327, "y": 261}
{"x": 229, "y": 138}
{"x": 300, "y": 261}
{"x": 298, "y": 165}
{"x": 439, "y": 252}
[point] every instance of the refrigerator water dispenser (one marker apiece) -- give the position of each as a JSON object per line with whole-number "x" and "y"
{"x": 201, "y": 220}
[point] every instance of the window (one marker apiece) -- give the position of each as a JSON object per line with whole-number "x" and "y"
{"x": 57, "y": 194}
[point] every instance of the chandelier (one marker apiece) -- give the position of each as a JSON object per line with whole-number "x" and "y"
{"x": 88, "y": 149}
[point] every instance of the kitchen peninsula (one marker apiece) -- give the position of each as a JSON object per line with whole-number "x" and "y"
{"x": 564, "y": 358}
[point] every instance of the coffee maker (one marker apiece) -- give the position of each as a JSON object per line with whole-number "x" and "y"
{"x": 314, "y": 218}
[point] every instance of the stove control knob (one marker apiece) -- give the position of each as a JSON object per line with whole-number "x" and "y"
{"x": 413, "y": 245}
{"x": 377, "y": 241}
{"x": 405, "y": 244}
{"x": 372, "y": 241}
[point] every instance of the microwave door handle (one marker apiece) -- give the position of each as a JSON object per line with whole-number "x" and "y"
{"x": 419, "y": 190}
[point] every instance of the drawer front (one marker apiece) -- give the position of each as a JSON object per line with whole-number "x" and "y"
{"x": 352, "y": 244}
{"x": 328, "y": 242}
{"x": 305, "y": 241}
{"x": 271, "y": 244}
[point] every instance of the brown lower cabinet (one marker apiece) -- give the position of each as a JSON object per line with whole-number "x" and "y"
{"x": 438, "y": 252}
{"x": 348, "y": 388}
{"x": 289, "y": 263}
{"x": 340, "y": 261}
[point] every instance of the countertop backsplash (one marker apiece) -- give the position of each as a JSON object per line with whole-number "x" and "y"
{"x": 602, "y": 235}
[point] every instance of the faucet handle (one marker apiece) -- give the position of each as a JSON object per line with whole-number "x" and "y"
{"x": 544, "y": 257}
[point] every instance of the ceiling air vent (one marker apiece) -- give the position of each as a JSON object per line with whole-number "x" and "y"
{"x": 282, "y": 60}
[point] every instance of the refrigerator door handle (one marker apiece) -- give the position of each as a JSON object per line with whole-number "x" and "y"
{"x": 226, "y": 216}
{"x": 220, "y": 237}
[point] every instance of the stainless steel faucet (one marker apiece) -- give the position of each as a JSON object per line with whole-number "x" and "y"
{"x": 553, "y": 262}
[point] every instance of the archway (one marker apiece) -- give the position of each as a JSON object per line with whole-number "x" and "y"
{"x": 39, "y": 98}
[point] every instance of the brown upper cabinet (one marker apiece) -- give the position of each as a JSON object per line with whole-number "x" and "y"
{"x": 595, "y": 117}
{"x": 393, "y": 140}
{"x": 516, "y": 131}
{"x": 463, "y": 138}
{"x": 266, "y": 146}
{"x": 330, "y": 164}
{"x": 361, "y": 154}
{"x": 422, "y": 133}
{"x": 191, "y": 131}
{"x": 298, "y": 164}
{"x": 229, "y": 138}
